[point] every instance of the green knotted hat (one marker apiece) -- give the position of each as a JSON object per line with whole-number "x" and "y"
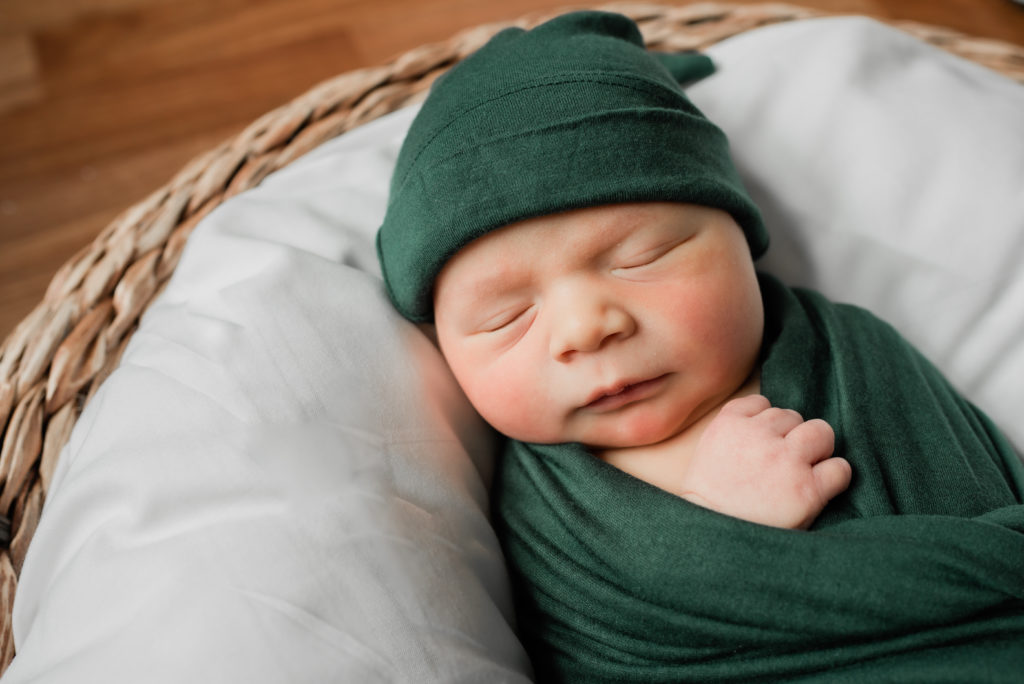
{"x": 574, "y": 113}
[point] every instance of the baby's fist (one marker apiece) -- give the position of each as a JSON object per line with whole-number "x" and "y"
{"x": 766, "y": 465}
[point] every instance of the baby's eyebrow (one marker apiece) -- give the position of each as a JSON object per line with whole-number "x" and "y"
{"x": 500, "y": 283}
{"x": 505, "y": 281}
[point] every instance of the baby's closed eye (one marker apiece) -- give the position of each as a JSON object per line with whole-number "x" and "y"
{"x": 647, "y": 257}
{"x": 507, "y": 318}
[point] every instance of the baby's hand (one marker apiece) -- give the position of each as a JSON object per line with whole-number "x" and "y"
{"x": 765, "y": 465}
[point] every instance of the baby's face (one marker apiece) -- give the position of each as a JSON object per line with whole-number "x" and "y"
{"x": 613, "y": 326}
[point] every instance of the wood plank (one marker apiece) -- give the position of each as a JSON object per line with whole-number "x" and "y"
{"x": 102, "y": 101}
{"x": 19, "y": 77}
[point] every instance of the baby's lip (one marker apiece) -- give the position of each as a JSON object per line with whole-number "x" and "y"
{"x": 624, "y": 392}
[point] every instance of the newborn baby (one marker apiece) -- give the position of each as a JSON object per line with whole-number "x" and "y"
{"x": 576, "y": 232}
{"x": 632, "y": 329}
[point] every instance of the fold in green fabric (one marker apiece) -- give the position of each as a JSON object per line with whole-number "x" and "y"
{"x": 916, "y": 573}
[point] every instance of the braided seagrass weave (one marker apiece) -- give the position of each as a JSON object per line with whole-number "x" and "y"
{"x": 55, "y": 359}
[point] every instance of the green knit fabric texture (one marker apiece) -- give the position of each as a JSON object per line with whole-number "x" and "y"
{"x": 915, "y": 574}
{"x": 574, "y": 113}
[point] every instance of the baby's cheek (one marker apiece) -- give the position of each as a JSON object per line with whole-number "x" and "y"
{"x": 508, "y": 403}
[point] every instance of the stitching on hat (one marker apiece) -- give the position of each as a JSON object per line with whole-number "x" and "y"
{"x": 633, "y": 82}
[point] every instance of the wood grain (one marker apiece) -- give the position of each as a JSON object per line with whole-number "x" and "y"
{"x": 102, "y": 101}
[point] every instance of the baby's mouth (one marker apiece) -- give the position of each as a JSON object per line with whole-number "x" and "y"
{"x": 622, "y": 394}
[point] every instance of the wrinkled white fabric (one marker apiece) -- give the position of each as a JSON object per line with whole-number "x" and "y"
{"x": 282, "y": 483}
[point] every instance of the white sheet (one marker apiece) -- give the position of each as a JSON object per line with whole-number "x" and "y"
{"x": 281, "y": 483}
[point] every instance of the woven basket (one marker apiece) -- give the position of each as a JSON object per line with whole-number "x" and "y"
{"x": 56, "y": 358}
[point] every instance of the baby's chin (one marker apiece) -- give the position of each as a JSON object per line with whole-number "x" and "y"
{"x": 626, "y": 434}
{"x": 636, "y": 429}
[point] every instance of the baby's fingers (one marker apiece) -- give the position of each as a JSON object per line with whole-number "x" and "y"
{"x": 832, "y": 476}
{"x": 812, "y": 441}
{"x": 749, "y": 405}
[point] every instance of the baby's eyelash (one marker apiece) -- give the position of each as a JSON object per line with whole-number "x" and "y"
{"x": 650, "y": 256}
{"x": 642, "y": 262}
{"x": 504, "y": 320}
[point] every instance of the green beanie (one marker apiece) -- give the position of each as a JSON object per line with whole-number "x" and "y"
{"x": 574, "y": 113}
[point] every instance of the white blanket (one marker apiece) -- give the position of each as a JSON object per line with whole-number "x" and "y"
{"x": 282, "y": 483}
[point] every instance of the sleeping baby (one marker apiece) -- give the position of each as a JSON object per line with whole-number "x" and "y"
{"x": 708, "y": 475}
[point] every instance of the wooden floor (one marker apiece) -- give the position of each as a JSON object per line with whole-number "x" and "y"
{"x": 101, "y": 101}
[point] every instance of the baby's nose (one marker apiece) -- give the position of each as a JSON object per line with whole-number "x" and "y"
{"x": 585, "y": 320}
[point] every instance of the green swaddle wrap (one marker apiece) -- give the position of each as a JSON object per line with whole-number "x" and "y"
{"x": 916, "y": 573}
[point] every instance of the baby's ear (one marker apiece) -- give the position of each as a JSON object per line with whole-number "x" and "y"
{"x": 686, "y": 67}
